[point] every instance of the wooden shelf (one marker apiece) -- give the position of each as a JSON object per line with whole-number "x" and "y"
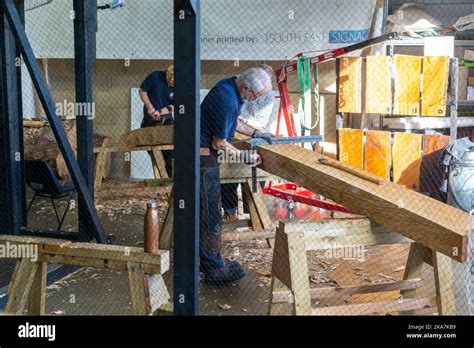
{"x": 421, "y": 42}
{"x": 419, "y": 123}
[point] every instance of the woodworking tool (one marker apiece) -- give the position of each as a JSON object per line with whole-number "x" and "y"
{"x": 351, "y": 170}
{"x": 254, "y": 142}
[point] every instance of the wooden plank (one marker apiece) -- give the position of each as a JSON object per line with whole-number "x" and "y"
{"x": 299, "y": 273}
{"x": 151, "y": 136}
{"x": 431, "y": 172}
{"x": 95, "y": 263}
{"x": 378, "y": 153}
{"x": 377, "y": 308}
{"x": 239, "y": 236}
{"x": 407, "y": 85}
{"x": 115, "y": 149}
{"x": 259, "y": 203}
{"x": 378, "y": 95}
{"x": 239, "y": 171}
{"x": 325, "y": 233}
{"x": 350, "y": 83}
{"x": 453, "y": 283}
{"x": 254, "y": 217}
{"x": 406, "y": 155}
{"x": 281, "y": 259}
{"x": 33, "y": 240}
{"x": 427, "y": 221}
{"x": 111, "y": 252}
{"x": 328, "y": 292}
{"x": 34, "y": 123}
{"x": 160, "y": 163}
{"x": 435, "y": 86}
{"x": 20, "y": 286}
{"x": 137, "y": 192}
{"x": 138, "y": 290}
{"x": 330, "y": 234}
{"x": 413, "y": 268}
{"x": 166, "y": 234}
{"x": 158, "y": 294}
{"x": 156, "y": 170}
{"x": 37, "y": 295}
{"x": 99, "y": 170}
{"x": 290, "y": 267}
{"x": 351, "y": 148}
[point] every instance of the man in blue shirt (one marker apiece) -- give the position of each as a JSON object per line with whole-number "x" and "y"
{"x": 219, "y": 122}
{"x": 256, "y": 114}
{"x": 157, "y": 95}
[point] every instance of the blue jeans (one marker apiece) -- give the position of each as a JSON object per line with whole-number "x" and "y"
{"x": 211, "y": 219}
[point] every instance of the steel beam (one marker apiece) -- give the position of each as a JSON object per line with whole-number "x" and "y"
{"x": 55, "y": 123}
{"x": 85, "y": 30}
{"x": 186, "y": 154}
{"x": 12, "y": 197}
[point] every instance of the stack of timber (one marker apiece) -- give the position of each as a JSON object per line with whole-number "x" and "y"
{"x": 40, "y": 144}
{"x": 150, "y": 136}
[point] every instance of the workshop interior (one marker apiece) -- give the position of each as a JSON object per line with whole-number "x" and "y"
{"x": 236, "y": 158}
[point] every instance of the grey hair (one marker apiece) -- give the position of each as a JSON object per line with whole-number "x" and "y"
{"x": 256, "y": 79}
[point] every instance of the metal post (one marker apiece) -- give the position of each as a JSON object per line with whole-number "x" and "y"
{"x": 186, "y": 154}
{"x": 56, "y": 126}
{"x": 454, "y": 100}
{"x": 85, "y": 28}
{"x": 339, "y": 115}
{"x": 20, "y": 5}
{"x": 386, "y": 5}
{"x": 12, "y": 197}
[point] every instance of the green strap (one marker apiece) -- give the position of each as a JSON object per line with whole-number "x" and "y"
{"x": 304, "y": 82}
{"x": 467, "y": 63}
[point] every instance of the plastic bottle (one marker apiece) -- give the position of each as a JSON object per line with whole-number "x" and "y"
{"x": 152, "y": 229}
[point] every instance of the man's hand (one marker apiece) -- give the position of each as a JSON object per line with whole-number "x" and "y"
{"x": 153, "y": 113}
{"x": 267, "y": 136}
{"x": 255, "y": 160}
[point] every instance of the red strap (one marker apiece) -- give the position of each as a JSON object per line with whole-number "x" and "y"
{"x": 284, "y": 108}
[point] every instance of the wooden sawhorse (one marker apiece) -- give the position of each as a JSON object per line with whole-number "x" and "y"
{"x": 157, "y": 160}
{"x": 290, "y": 271}
{"x": 145, "y": 272}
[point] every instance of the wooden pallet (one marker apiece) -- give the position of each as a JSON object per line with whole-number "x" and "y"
{"x": 145, "y": 272}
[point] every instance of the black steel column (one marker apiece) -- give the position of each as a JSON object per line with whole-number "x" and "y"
{"x": 56, "y": 126}
{"x": 85, "y": 29}
{"x": 20, "y": 5}
{"x": 12, "y": 197}
{"x": 186, "y": 154}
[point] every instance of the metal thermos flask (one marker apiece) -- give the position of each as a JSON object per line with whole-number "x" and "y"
{"x": 152, "y": 228}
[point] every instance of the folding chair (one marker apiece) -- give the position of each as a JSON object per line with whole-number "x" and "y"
{"x": 42, "y": 180}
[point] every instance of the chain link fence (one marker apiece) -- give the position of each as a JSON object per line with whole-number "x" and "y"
{"x": 372, "y": 218}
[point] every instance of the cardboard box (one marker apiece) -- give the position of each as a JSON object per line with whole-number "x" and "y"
{"x": 463, "y": 74}
{"x": 470, "y": 93}
{"x": 469, "y": 55}
{"x": 471, "y": 81}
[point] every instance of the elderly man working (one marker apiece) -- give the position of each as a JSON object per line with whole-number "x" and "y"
{"x": 219, "y": 122}
{"x": 256, "y": 114}
{"x": 157, "y": 95}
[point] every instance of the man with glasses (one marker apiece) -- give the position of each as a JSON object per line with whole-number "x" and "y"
{"x": 219, "y": 122}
